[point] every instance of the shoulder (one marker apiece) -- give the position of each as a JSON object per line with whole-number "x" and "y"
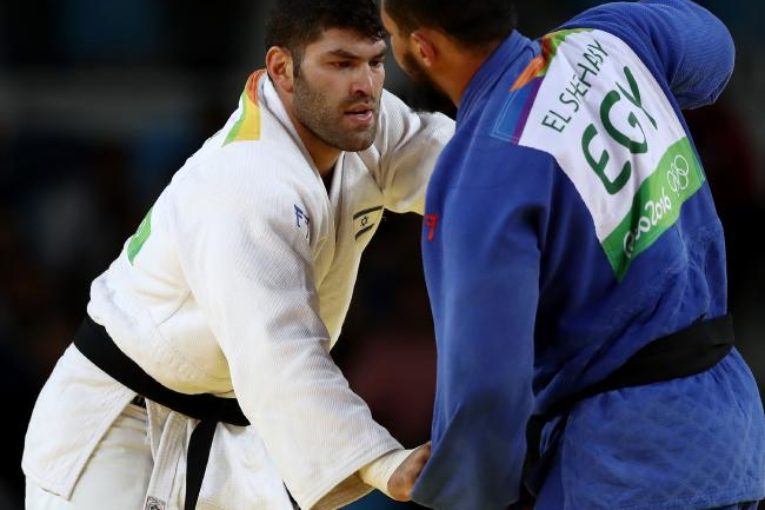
{"x": 480, "y": 159}
{"x": 246, "y": 179}
{"x": 242, "y": 166}
{"x": 390, "y": 103}
{"x": 398, "y": 118}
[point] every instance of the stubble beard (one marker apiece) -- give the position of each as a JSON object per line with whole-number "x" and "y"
{"x": 420, "y": 77}
{"x": 325, "y": 122}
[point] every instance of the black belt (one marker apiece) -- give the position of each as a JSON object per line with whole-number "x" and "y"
{"x": 687, "y": 352}
{"x": 94, "y": 342}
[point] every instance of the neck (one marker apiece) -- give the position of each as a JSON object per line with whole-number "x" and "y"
{"x": 460, "y": 68}
{"x": 324, "y": 156}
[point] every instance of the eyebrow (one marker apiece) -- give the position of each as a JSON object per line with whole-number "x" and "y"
{"x": 347, "y": 54}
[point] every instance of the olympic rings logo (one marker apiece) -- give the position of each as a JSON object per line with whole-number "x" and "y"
{"x": 678, "y": 174}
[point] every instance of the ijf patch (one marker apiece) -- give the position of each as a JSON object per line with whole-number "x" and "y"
{"x": 302, "y": 221}
{"x": 154, "y": 504}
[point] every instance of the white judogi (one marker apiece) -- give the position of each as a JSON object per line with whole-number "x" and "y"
{"x": 237, "y": 284}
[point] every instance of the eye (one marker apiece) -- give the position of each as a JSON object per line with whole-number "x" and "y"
{"x": 343, "y": 64}
{"x": 378, "y": 62}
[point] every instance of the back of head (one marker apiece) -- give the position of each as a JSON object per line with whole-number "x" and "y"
{"x": 474, "y": 24}
{"x": 293, "y": 24}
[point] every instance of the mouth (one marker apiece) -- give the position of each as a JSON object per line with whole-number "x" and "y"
{"x": 363, "y": 114}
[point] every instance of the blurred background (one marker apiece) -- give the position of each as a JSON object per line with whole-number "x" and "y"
{"x": 102, "y": 101}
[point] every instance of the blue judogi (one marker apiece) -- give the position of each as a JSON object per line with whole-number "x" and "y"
{"x": 568, "y": 224}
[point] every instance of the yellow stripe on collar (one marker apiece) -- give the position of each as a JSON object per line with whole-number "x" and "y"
{"x": 248, "y": 125}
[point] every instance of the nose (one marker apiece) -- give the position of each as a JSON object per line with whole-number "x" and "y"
{"x": 364, "y": 82}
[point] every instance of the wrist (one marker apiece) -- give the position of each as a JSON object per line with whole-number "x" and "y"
{"x": 378, "y": 472}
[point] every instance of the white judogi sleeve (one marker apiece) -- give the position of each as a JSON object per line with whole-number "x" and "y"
{"x": 408, "y": 144}
{"x": 248, "y": 259}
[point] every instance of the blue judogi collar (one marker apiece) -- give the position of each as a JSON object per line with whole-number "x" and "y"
{"x": 487, "y": 75}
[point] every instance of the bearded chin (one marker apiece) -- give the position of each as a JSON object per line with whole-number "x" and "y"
{"x": 319, "y": 117}
{"x": 420, "y": 77}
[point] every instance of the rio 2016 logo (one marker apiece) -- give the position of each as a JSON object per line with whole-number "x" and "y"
{"x": 678, "y": 179}
{"x": 655, "y": 211}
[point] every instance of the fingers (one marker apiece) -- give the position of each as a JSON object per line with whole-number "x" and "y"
{"x": 404, "y": 477}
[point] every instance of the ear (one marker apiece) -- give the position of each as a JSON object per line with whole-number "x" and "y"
{"x": 424, "y": 46}
{"x": 279, "y": 65}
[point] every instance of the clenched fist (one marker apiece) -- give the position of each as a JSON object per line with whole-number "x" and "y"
{"x": 404, "y": 477}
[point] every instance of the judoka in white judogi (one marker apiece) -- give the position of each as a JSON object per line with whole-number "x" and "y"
{"x": 236, "y": 284}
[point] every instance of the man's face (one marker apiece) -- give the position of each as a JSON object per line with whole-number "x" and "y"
{"x": 402, "y": 51}
{"x": 337, "y": 89}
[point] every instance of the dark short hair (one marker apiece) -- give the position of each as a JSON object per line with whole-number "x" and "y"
{"x": 474, "y": 24}
{"x": 293, "y": 24}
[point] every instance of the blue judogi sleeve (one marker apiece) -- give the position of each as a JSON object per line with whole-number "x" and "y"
{"x": 679, "y": 41}
{"x": 485, "y": 365}
{"x": 485, "y": 312}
